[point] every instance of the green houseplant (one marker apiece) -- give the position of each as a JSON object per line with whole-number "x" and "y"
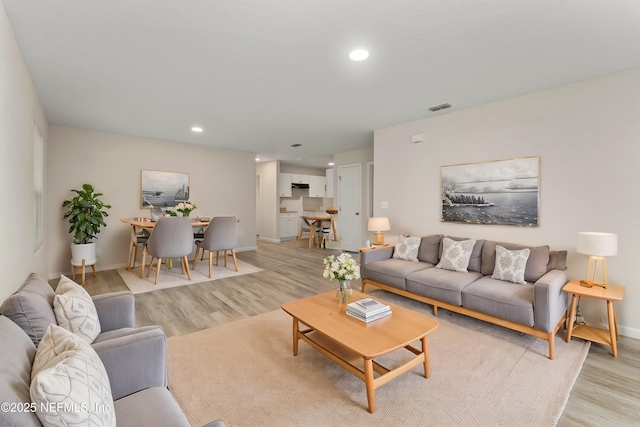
{"x": 86, "y": 214}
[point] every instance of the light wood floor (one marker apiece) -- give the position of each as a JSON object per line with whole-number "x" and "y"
{"x": 607, "y": 392}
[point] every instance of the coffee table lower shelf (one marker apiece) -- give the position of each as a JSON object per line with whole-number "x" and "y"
{"x": 351, "y": 361}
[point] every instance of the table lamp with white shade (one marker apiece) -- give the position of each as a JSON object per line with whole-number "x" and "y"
{"x": 597, "y": 246}
{"x": 378, "y": 225}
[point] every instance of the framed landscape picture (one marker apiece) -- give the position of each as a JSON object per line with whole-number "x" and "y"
{"x": 502, "y": 192}
{"x": 163, "y": 189}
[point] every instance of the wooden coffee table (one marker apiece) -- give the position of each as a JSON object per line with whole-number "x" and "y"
{"x": 350, "y": 342}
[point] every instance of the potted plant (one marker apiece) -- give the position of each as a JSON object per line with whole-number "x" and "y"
{"x": 86, "y": 215}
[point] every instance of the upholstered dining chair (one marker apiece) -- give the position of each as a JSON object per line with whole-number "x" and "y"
{"x": 171, "y": 238}
{"x": 138, "y": 238}
{"x": 220, "y": 235}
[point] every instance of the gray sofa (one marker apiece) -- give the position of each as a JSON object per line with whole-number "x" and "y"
{"x": 134, "y": 358}
{"x": 536, "y": 308}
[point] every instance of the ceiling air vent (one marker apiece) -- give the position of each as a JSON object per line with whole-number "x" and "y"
{"x": 296, "y": 145}
{"x": 439, "y": 107}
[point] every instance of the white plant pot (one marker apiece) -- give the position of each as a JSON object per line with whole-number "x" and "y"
{"x": 86, "y": 252}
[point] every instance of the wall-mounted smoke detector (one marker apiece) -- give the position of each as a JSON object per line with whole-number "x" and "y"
{"x": 296, "y": 145}
{"x": 439, "y": 107}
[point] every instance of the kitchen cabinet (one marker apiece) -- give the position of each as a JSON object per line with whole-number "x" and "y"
{"x": 285, "y": 185}
{"x": 289, "y": 225}
{"x": 329, "y": 191}
{"x": 299, "y": 179}
{"x": 316, "y": 186}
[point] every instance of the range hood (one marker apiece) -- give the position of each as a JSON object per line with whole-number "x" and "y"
{"x": 295, "y": 185}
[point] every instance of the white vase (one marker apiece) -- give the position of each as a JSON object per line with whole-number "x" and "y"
{"x": 86, "y": 252}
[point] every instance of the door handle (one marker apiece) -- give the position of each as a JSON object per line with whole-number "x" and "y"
{"x": 357, "y": 213}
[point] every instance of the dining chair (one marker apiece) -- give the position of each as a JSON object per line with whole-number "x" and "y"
{"x": 220, "y": 235}
{"x": 138, "y": 238}
{"x": 171, "y": 238}
{"x": 305, "y": 227}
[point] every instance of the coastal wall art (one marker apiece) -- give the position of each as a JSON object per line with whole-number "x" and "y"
{"x": 502, "y": 192}
{"x": 163, "y": 189}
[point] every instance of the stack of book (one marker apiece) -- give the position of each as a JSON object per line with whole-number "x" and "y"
{"x": 367, "y": 310}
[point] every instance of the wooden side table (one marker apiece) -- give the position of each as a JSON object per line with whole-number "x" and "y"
{"x": 610, "y": 294}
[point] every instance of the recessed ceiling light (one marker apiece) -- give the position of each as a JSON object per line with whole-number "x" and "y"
{"x": 359, "y": 55}
{"x": 196, "y": 129}
{"x": 330, "y": 163}
{"x": 257, "y": 159}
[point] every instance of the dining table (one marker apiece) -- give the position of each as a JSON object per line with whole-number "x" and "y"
{"x": 315, "y": 221}
{"x": 146, "y": 223}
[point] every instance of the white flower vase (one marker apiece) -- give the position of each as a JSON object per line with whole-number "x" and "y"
{"x": 344, "y": 291}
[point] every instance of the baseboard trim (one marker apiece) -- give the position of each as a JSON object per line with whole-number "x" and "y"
{"x": 629, "y": 332}
{"x": 267, "y": 239}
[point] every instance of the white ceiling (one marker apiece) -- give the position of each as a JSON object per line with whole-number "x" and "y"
{"x": 261, "y": 75}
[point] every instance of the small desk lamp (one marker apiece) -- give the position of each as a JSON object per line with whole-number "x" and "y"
{"x": 378, "y": 225}
{"x": 597, "y": 245}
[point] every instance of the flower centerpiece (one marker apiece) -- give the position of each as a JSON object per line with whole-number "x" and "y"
{"x": 185, "y": 208}
{"x": 344, "y": 268}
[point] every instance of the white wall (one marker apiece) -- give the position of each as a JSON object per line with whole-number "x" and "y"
{"x": 587, "y": 135}
{"x": 19, "y": 110}
{"x": 222, "y": 182}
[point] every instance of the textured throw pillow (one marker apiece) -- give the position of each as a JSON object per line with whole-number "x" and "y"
{"x": 75, "y": 310}
{"x": 69, "y": 383}
{"x": 510, "y": 265}
{"x": 407, "y": 248}
{"x": 456, "y": 254}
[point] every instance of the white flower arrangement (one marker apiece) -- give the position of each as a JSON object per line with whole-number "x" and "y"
{"x": 185, "y": 208}
{"x": 341, "y": 267}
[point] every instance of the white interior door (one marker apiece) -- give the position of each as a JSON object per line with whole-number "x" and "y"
{"x": 258, "y": 214}
{"x": 350, "y": 187}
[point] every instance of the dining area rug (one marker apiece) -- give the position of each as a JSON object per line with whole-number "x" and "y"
{"x": 244, "y": 373}
{"x": 174, "y": 277}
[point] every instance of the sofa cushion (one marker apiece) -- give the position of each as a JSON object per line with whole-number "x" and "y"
{"x": 505, "y": 300}
{"x": 31, "y": 307}
{"x": 75, "y": 310}
{"x": 156, "y": 406}
{"x": 393, "y": 271}
{"x": 430, "y": 249}
{"x": 16, "y": 359}
{"x": 407, "y": 248}
{"x": 456, "y": 254}
{"x": 510, "y": 265}
{"x": 69, "y": 375}
{"x": 476, "y": 255}
{"x": 536, "y": 264}
{"x": 439, "y": 284}
{"x": 557, "y": 260}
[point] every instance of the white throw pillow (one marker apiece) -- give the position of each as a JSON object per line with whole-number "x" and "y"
{"x": 510, "y": 265}
{"x": 456, "y": 254}
{"x": 70, "y": 385}
{"x": 75, "y": 310}
{"x": 407, "y": 248}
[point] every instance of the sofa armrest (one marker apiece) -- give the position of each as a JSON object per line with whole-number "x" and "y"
{"x": 550, "y": 302}
{"x": 377, "y": 254}
{"x": 136, "y": 361}
{"x": 116, "y": 310}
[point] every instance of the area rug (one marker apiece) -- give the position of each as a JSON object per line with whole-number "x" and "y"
{"x": 481, "y": 375}
{"x": 171, "y": 278}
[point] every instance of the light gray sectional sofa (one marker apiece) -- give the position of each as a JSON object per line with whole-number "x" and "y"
{"x": 134, "y": 358}
{"x": 537, "y": 307}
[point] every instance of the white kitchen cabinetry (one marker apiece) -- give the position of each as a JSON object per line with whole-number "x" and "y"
{"x": 288, "y": 225}
{"x": 316, "y": 186}
{"x": 299, "y": 179}
{"x": 285, "y": 185}
{"x": 329, "y": 192}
